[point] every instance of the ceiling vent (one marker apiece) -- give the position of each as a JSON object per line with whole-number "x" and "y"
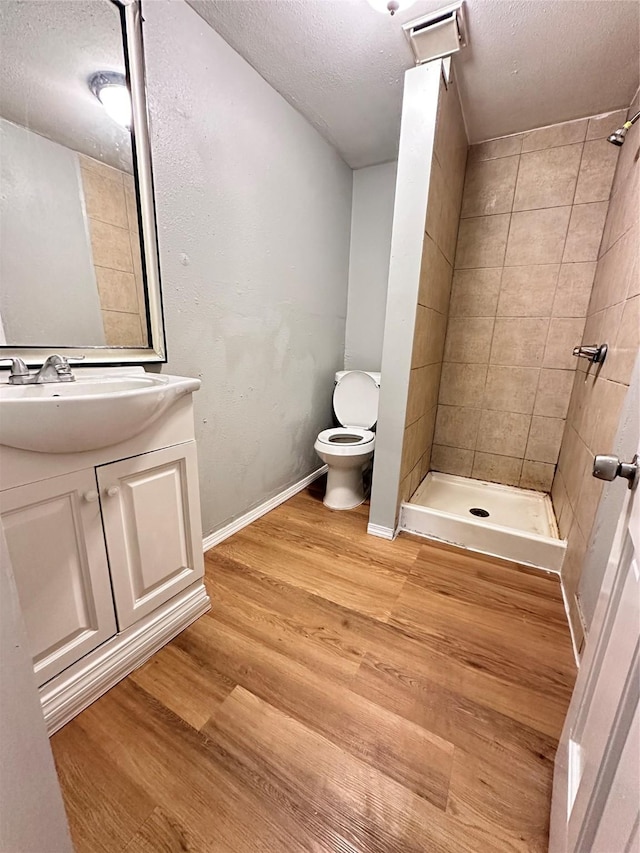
{"x": 437, "y": 34}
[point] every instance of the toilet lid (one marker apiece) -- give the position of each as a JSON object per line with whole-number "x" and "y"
{"x": 355, "y": 400}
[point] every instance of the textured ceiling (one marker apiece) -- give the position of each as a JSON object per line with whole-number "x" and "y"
{"x": 48, "y": 50}
{"x": 341, "y": 64}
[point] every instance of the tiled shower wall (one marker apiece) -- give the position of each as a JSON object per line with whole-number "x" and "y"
{"x": 613, "y": 317}
{"x": 438, "y": 252}
{"x": 111, "y": 208}
{"x": 533, "y": 212}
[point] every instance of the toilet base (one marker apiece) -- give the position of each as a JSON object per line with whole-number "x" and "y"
{"x": 345, "y": 488}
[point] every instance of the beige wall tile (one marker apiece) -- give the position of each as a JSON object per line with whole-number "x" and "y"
{"x": 404, "y": 489}
{"x": 450, "y": 143}
{"x": 585, "y": 232}
{"x": 588, "y": 500}
{"x": 423, "y": 391}
{"x": 474, "y": 293}
{"x": 558, "y": 494}
{"x": 457, "y": 426}
{"x": 117, "y": 290}
{"x": 571, "y": 570}
{"x": 104, "y": 197}
{"x": 537, "y": 475}
{"x": 567, "y": 133}
{"x": 428, "y": 343}
{"x": 469, "y": 339}
{"x": 538, "y": 236}
{"x": 482, "y": 241}
{"x": 561, "y": 505}
{"x": 624, "y": 211}
{"x": 489, "y": 186}
{"x": 497, "y": 469}
{"x": 462, "y": 384}
{"x": 580, "y": 414}
{"x": 122, "y": 330}
{"x": 573, "y": 291}
{"x": 100, "y": 167}
{"x": 410, "y": 449}
{"x": 435, "y": 277}
{"x": 443, "y": 211}
{"x": 605, "y": 404}
{"x": 503, "y": 433}
{"x": 452, "y": 460}
{"x": 545, "y": 436}
{"x": 622, "y": 356}
{"x": 528, "y": 291}
{"x": 110, "y": 246}
{"x": 131, "y": 203}
{"x": 598, "y": 164}
{"x": 547, "y": 178}
{"x": 609, "y": 328}
{"x": 519, "y": 341}
{"x": 614, "y": 273}
{"x": 511, "y": 389}
{"x": 573, "y": 459}
{"x": 505, "y": 146}
{"x": 603, "y": 125}
{"x": 564, "y": 335}
{"x": 414, "y": 480}
{"x": 416, "y": 394}
{"x": 553, "y": 393}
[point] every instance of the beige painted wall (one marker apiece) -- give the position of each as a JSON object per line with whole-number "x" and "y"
{"x": 111, "y": 209}
{"x": 533, "y": 213}
{"x": 613, "y": 317}
{"x": 438, "y": 253}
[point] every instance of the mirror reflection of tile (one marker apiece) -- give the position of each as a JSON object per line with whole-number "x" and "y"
{"x": 111, "y": 209}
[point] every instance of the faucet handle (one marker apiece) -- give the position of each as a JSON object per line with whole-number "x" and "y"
{"x": 18, "y": 367}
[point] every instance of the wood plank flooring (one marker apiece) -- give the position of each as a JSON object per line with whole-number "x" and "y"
{"x": 345, "y": 694}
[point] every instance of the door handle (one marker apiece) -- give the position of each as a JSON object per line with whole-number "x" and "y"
{"x": 610, "y": 467}
{"x": 91, "y": 496}
{"x": 113, "y": 491}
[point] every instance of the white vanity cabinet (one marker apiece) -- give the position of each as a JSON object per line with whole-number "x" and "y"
{"x": 106, "y": 552}
{"x": 56, "y": 545}
{"x": 149, "y": 527}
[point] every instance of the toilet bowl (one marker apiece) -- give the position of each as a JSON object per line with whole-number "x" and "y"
{"x": 348, "y": 449}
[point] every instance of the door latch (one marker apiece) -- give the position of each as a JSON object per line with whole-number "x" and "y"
{"x": 610, "y": 467}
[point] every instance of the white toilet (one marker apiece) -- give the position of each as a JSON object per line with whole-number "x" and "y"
{"x": 349, "y": 448}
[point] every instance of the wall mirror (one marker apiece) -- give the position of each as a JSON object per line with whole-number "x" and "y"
{"x": 79, "y": 268}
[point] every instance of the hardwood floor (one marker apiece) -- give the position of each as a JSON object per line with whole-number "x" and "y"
{"x": 344, "y": 694}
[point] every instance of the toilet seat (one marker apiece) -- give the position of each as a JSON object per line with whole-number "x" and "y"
{"x": 346, "y": 440}
{"x": 355, "y": 400}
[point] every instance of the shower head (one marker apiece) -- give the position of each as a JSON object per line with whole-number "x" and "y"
{"x": 618, "y": 136}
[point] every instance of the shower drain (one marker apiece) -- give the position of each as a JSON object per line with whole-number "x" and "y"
{"x": 479, "y": 512}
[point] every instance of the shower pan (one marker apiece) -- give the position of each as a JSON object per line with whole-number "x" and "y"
{"x": 503, "y": 521}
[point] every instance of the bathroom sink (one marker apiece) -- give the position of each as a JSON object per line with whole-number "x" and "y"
{"x": 94, "y": 411}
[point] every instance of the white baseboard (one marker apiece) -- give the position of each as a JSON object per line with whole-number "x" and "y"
{"x": 262, "y": 509}
{"x": 381, "y": 532}
{"x": 77, "y": 687}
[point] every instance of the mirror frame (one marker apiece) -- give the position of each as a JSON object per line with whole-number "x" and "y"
{"x": 131, "y": 25}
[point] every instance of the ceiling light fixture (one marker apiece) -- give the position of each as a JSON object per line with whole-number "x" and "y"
{"x": 110, "y": 88}
{"x": 390, "y": 6}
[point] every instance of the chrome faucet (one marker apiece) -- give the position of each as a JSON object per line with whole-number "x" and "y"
{"x": 55, "y": 369}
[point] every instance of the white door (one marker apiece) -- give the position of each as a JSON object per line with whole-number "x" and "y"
{"x": 151, "y": 513}
{"x": 596, "y": 791}
{"x": 56, "y": 546}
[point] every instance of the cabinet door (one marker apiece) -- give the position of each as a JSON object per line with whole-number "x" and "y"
{"x": 56, "y": 544}
{"x": 151, "y": 513}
